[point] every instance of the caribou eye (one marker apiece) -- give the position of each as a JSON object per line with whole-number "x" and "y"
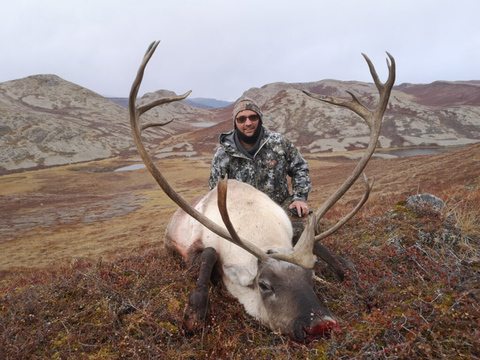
{"x": 264, "y": 286}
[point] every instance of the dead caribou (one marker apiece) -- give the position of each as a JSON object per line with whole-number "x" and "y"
{"x": 248, "y": 239}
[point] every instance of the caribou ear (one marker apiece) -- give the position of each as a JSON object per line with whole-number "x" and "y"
{"x": 243, "y": 275}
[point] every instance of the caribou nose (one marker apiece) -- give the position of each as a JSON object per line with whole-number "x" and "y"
{"x": 322, "y": 328}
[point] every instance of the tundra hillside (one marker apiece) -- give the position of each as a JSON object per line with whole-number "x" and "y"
{"x": 47, "y": 121}
{"x": 84, "y": 274}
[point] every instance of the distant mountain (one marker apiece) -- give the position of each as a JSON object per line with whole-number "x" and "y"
{"x": 46, "y": 121}
{"x": 202, "y": 103}
{"x": 120, "y": 101}
{"x": 207, "y": 103}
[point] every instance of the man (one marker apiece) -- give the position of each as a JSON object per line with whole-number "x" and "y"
{"x": 262, "y": 158}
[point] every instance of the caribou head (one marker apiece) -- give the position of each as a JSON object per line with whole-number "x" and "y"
{"x": 246, "y": 237}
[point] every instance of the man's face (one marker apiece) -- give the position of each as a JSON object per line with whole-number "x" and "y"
{"x": 247, "y": 122}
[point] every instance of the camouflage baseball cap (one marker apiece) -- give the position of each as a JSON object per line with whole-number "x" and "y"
{"x": 245, "y": 103}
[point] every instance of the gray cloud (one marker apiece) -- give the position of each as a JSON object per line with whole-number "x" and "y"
{"x": 222, "y": 48}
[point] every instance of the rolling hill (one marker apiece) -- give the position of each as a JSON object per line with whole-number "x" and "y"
{"x": 47, "y": 121}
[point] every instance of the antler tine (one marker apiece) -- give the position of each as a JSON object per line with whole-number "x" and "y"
{"x": 302, "y": 254}
{"x": 354, "y": 105}
{"x": 346, "y": 218}
{"x": 383, "y": 89}
{"x": 146, "y": 126}
{"x": 135, "y": 113}
{"x": 141, "y": 70}
{"x": 162, "y": 101}
{"x": 373, "y": 71}
{"x": 374, "y": 121}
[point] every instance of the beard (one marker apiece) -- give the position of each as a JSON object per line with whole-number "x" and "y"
{"x": 250, "y": 139}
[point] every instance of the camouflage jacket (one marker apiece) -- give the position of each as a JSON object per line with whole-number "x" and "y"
{"x": 267, "y": 171}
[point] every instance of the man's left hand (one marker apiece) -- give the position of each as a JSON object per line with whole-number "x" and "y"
{"x": 302, "y": 208}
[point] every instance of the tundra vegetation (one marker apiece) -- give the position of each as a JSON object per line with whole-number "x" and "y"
{"x": 416, "y": 296}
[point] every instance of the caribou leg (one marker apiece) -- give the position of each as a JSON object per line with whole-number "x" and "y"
{"x": 196, "y": 311}
{"x": 336, "y": 262}
{"x": 332, "y": 260}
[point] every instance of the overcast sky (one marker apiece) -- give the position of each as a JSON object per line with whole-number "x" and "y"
{"x": 221, "y": 48}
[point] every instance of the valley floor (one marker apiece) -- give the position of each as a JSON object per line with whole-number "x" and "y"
{"x": 87, "y": 210}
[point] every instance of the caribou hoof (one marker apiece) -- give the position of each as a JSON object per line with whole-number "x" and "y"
{"x": 196, "y": 311}
{"x": 191, "y": 321}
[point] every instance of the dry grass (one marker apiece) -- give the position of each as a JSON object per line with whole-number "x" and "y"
{"x": 416, "y": 296}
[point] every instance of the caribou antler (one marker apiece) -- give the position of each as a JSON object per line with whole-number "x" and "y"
{"x": 302, "y": 254}
{"x": 137, "y": 128}
{"x": 374, "y": 122}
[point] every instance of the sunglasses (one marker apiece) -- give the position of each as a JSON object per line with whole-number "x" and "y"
{"x": 252, "y": 118}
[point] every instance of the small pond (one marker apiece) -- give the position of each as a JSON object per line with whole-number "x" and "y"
{"x": 130, "y": 167}
{"x": 419, "y": 151}
{"x": 203, "y": 124}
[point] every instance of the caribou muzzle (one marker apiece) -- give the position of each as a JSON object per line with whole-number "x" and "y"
{"x": 321, "y": 327}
